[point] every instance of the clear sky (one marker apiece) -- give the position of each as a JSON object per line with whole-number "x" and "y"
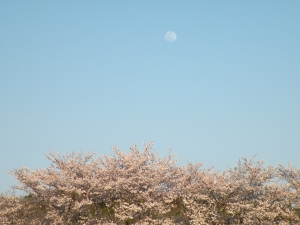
{"x": 89, "y": 75}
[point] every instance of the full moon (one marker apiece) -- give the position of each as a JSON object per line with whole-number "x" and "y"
{"x": 170, "y": 36}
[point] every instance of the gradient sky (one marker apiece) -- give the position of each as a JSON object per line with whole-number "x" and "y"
{"x": 89, "y": 75}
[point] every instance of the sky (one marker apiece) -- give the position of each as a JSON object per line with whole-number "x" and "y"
{"x": 89, "y": 75}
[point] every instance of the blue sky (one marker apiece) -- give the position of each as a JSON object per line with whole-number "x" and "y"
{"x": 89, "y": 75}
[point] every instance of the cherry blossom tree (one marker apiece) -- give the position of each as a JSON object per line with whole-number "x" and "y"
{"x": 142, "y": 188}
{"x": 120, "y": 189}
{"x": 248, "y": 194}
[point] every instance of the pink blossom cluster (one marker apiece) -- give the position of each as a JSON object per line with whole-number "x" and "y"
{"x": 143, "y": 188}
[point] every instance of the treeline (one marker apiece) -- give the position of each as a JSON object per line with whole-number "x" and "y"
{"x": 143, "y": 188}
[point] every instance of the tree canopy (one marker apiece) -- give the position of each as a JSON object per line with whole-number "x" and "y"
{"x": 142, "y": 188}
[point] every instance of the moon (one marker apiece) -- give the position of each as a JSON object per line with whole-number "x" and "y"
{"x": 170, "y": 36}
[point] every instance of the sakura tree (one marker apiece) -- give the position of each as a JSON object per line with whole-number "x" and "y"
{"x": 247, "y": 194}
{"x": 142, "y": 188}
